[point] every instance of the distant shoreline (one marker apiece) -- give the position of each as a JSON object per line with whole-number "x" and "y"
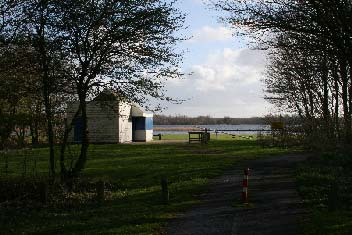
{"x": 206, "y": 120}
{"x": 189, "y": 127}
{"x": 177, "y": 128}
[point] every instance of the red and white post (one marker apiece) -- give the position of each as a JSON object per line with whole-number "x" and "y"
{"x": 245, "y": 186}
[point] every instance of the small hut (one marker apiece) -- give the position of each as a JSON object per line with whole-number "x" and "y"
{"x": 112, "y": 120}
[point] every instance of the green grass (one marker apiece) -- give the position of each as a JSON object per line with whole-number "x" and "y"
{"x": 324, "y": 182}
{"x": 135, "y": 206}
{"x": 324, "y": 222}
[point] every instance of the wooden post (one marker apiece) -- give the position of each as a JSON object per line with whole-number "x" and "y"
{"x": 43, "y": 192}
{"x": 245, "y": 186}
{"x": 100, "y": 190}
{"x": 165, "y": 190}
{"x": 205, "y": 136}
{"x": 6, "y": 164}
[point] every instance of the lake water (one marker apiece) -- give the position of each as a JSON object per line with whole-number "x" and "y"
{"x": 222, "y": 129}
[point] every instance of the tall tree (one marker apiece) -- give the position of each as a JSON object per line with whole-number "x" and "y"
{"x": 19, "y": 87}
{"x": 33, "y": 22}
{"x": 310, "y": 42}
{"x": 125, "y": 46}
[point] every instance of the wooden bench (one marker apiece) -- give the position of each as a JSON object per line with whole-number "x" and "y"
{"x": 198, "y": 136}
{"x": 159, "y": 135}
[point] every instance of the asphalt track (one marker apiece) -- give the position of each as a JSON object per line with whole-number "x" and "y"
{"x": 275, "y": 207}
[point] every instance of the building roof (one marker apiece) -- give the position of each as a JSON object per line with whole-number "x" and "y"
{"x": 138, "y": 112}
{"x": 108, "y": 95}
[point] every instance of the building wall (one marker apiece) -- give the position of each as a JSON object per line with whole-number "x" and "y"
{"x": 111, "y": 122}
{"x": 143, "y": 135}
{"x": 125, "y": 123}
{"x": 148, "y": 135}
{"x": 105, "y": 125}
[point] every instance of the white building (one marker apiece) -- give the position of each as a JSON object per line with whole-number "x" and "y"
{"x": 112, "y": 121}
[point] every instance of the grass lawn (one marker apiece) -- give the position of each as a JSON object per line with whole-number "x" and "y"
{"x": 134, "y": 205}
{"x": 325, "y": 184}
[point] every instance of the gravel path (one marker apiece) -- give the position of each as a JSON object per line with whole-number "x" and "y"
{"x": 275, "y": 205}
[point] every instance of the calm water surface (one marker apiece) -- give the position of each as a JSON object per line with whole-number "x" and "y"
{"x": 228, "y": 129}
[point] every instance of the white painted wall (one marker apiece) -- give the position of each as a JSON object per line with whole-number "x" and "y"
{"x": 149, "y": 135}
{"x": 110, "y": 123}
{"x": 103, "y": 121}
{"x": 125, "y": 123}
{"x": 144, "y": 136}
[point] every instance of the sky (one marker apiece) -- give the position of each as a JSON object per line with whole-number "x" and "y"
{"x": 225, "y": 75}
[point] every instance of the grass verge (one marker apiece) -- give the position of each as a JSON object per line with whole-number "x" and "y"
{"x": 134, "y": 205}
{"x": 325, "y": 184}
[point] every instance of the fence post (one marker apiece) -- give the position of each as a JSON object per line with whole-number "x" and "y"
{"x": 245, "y": 186}
{"x": 6, "y": 164}
{"x": 205, "y": 136}
{"x": 43, "y": 192}
{"x": 165, "y": 190}
{"x": 100, "y": 190}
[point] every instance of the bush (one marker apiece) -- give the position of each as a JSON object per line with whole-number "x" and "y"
{"x": 36, "y": 192}
{"x": 326, "y": 181}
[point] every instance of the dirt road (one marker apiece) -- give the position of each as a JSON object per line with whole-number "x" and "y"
{"x": 275, "y": 205}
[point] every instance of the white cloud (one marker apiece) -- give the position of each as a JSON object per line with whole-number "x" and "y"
{"x": 228, "y": 68}
{"x": 226, "y": 84}
{"x": 208, "y": 34}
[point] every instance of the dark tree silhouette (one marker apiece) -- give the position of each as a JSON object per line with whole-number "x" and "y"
{"x": 310, "y": 45}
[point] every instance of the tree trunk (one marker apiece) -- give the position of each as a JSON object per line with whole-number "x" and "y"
{"x": 349, "y": 119}
{"x": 68, "y": 129}
{"x": 345, "y": 100}
{"x": 337, "y": 93}
{"x": 85, "y": 138}
{"x": 34, "y": 134}
{"x": 46, "y": 85}
{"x": 50, "y": 129}
{"x": 326, "y": 111}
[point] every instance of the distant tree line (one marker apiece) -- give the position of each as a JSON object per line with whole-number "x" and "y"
{"x": 310, "y": 66}
{"x": 204, "y": 120}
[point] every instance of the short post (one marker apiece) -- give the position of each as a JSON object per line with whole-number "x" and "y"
{"x": 43, "y": 192}
{"x": 245, "y": 186}
{"x": 6, "y": 163}
{"x": 205, "y": 136}
{"x": 100, "y": 190}
{"x": 165, "y": 190}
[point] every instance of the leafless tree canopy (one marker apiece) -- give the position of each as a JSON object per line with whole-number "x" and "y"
{"x": 310, "y": 46}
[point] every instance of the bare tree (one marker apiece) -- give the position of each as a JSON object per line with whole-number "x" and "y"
{"x": 86, "y": 46}
{"x": 310, "y": 42}
{"x": 126, "y": 46}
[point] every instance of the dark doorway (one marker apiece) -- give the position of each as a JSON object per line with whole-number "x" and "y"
{"x": 138, "y": 124}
